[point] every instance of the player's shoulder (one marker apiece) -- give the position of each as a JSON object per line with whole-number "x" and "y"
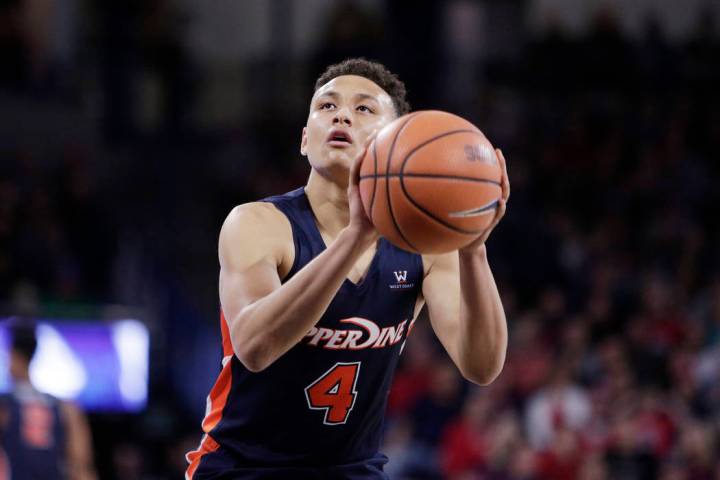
{"x": 257, "y": 216}
{"x": 255, "y": 227}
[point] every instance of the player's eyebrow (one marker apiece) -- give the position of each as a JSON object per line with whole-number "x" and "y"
{"x": 358, "y": 96}
{"x": 365, "y": 96}
{"x": 329, "y": 93}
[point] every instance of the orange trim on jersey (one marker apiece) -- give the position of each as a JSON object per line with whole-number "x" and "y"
{"x": 226, "y": 343}
{"x": 221, "y": 390}
{"x": 216, "y": 403}
{"x": 218, "y": 398}
{"x": 208, "y": 445}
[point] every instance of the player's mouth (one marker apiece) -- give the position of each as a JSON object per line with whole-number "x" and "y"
{"x": 339, "y": 138}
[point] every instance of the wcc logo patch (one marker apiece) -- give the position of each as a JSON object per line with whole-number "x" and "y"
{"x": 401, "y": 281}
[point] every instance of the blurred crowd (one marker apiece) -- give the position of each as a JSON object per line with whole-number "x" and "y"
{"x": 607, "y": 259}
{"x": 609, "y": 270}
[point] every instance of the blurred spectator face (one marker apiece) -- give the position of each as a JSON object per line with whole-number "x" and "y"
{"x": 506, "y": 438}
{"x": 575, "y": 335}
{"x": 353, "y": 104}
{"x": 128, "y": 462}
{"x": 625, "y": 436}
{"x": 445, "y": 384}
{"x": 523, "y": 463}
{"x": 18, "y": 365}
{"x": 565, "y": 444}
{"x": 593, "y": 468}
{"x": 673, "y": 472}
{"x": 656, "y": 295}
{"x": 477, "y": 409}
{"x": 552, "y": 304}
{"x": 696, "y": 444}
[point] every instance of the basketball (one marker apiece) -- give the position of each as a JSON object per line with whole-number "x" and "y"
{"x": 430, "y": 182}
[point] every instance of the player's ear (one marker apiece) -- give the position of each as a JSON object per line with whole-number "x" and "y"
{"x": 303, "y": 143}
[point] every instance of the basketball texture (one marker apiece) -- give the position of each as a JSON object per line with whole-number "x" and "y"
{"x": 430, "y": 182}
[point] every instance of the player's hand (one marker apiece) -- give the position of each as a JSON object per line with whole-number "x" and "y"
{"x": 500, "y": 210}
{"x": 359, "y": 221}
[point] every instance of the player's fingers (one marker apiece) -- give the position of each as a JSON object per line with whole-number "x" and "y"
{"x": 355, "y": 170}
{"x": 500, "y": 211}
{"x": 505, "y": 181}
{"x": 357, "y": 163}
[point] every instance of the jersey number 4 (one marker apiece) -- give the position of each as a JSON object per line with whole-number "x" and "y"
{"x": 334, "y": 392}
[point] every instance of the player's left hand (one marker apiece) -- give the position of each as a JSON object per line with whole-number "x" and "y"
{"x": 359, "y": 221}
{"x": 499, "y": 211}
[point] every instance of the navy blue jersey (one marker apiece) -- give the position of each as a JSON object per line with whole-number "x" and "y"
{"x": 32, "y": 434}
{"x": 320, "y": 405}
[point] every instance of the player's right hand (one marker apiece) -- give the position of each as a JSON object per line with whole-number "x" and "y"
{"x": 359, "y": 221}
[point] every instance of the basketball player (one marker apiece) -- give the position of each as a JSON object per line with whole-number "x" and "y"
{"x": 316, "y": 308}
{"x": 43, "y": 438}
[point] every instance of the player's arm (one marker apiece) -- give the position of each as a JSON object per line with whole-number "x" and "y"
{"x": 78, "y": 443}
{"x": 466, "y": 314}
{"x": 465, "y": 309}
{"x": 266, "y": 317}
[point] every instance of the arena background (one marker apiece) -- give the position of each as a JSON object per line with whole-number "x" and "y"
{"x": 130, "y": 129}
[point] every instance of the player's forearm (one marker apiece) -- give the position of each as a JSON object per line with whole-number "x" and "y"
{"x": 483, "y": 333}
{"x": 269, "y": 327}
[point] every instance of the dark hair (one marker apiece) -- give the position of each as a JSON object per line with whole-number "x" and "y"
{"x": 373, "y": 71}
{"x": 24, "y": 339}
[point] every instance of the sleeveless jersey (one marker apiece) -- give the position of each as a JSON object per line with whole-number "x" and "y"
{"x": 320, "y": 405}
{"x": 33, "y": 437}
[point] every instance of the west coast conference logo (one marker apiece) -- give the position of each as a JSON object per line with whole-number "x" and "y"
{"x": 401, "y": 282}
{"x": 370, "y": 335}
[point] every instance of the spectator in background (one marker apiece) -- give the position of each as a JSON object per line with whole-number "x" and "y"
{"x": 432, "y": 414}
{"x": 43, "y": 437}
{"x": 560, "y": 406}
{"x": 413, "y": 378}
{"x": 464, "y": 446}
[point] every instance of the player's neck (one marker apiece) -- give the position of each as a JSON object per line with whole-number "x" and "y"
{"x": 329, "y": 203}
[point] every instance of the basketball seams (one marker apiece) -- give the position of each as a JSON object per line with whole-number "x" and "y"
{"x": 387, "y": 181}
{"x": 433, "y": 175}
{"x": 432, "y": 139}
{"x": 415, "y": 203}
{"x": 434, "y": 217}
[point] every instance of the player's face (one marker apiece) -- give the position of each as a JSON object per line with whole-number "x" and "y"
{"x": 343, "y": 114}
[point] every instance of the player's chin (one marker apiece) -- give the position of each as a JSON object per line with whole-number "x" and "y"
{"x": 340, "y": 157}
{"x": 336, "y": 170}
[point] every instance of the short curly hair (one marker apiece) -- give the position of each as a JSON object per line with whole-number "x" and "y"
{"x": 373, "y": 71}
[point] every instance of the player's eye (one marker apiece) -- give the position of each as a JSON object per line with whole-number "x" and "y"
{"x": 326, "y": 106}
{"x": 365, "y": 108}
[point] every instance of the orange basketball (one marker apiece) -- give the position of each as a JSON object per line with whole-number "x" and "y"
{"x": 430, "y": 182}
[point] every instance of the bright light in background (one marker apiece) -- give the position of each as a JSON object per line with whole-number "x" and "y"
{"x": 131, "y": 342}
{"x": 102, "y": 366}
{"x": 56, "y": 369}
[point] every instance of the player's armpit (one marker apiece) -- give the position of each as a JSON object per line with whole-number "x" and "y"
{"x": 441, "y": 289}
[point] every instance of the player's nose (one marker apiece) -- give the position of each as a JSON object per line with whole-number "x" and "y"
{"x": 342, "y": 116}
